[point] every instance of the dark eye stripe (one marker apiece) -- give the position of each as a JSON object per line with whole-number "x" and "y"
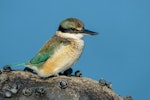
{"x": 73, "y": 29}
{"x": 70, "y": 30}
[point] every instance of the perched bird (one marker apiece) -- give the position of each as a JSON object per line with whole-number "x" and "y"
{"x": 61, "y": 51}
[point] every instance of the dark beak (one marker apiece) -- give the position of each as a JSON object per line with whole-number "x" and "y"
{"x": 88, "y": 32}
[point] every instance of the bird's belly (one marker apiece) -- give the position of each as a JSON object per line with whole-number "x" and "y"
{"x": 63, "y": 59}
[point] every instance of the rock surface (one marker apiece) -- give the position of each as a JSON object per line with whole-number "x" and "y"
{"x": 23, "y": 85}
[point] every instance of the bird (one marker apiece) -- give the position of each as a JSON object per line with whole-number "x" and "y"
{"x": 61, "y": 51}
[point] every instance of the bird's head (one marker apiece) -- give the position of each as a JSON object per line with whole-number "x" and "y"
{"x": 74, "y": 27}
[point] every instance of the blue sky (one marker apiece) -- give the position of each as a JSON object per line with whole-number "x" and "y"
{"x": 120, "y": 53}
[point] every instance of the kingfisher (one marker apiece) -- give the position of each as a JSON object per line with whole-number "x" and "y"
{"x": 61, "y": 51}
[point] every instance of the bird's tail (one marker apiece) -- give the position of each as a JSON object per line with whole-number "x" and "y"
{"x": 18, "y": 64}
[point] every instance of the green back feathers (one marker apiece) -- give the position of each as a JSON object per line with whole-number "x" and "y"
{"x": 48, "y": 50}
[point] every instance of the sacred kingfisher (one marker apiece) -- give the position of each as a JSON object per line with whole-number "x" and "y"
{"x": 61, "y": 51}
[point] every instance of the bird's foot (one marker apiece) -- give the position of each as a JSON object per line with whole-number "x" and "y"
{"x": 68, "y": 72}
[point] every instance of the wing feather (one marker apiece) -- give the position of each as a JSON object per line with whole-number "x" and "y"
{"x": 48, "y": 49}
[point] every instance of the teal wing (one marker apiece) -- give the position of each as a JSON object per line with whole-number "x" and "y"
{"x": 42, "y": 56}
{"x": 48, "y": 49}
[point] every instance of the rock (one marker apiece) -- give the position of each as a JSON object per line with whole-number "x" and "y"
{"x": 31, "y": 87}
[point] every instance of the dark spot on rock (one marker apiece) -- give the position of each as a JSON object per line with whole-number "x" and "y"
{"x": 27, "y": 91}
{"x": 39, "y": 91}
{"x": 63, "y": 84}
{"x": 7, "y": 68}
{"x": 78, "y": 73}
{"x": 14, "y": 88}
{"x": 109, "y": 85}
{"x": 102, "y": 82}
